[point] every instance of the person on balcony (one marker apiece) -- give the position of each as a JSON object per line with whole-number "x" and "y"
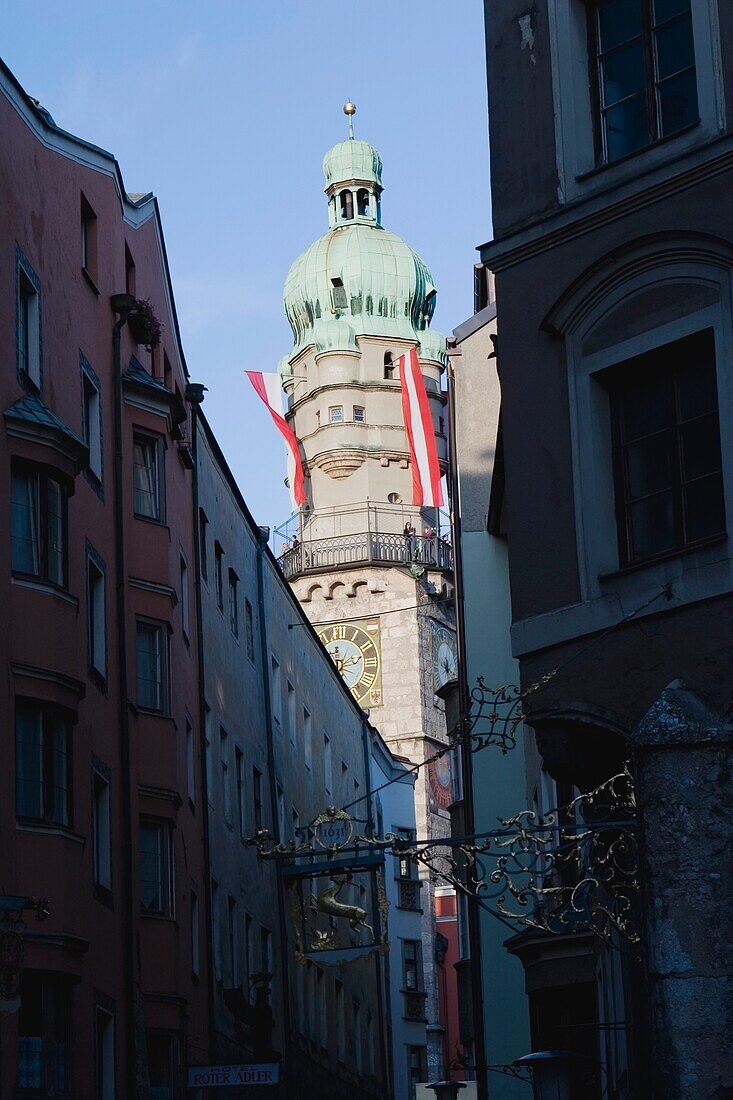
{"x": 409, "y": 532}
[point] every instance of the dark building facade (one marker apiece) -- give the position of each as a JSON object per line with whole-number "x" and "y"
{"x": 612, "y": 197}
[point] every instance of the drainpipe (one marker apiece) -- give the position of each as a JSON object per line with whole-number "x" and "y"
{"x": 195, "y": 396}
{"x": 474, "y": 930}
{"x": 263, "y": 535}
{"x": 379, "y": 959}
{"x": 124, "y": 305}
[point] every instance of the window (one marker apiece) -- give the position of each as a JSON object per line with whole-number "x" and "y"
{"x": 88, "y": 239}
{"x": 441, "y": 425}
{"x": 156, "y": 868}
{"x": 152, "y": 666}
{"x": 249, "y": 629}
{"x": 336, "y": 414}
{"x": 394, "y": 498}
{"x": 232, "y": 950}
{"x": 464, "y": 942}
{"x": 130, "y": 280}
{"x": 389, "y": 366}
{"x": 327, "y": 764}
{"x": 645, "y": 72}
{"x": 239, "y": 773}
{"x": 185, "y": 616}
{"x": 340, "y": 1022}
{"x": 233, "y": 608}
{"x": 362, "y": 202}
{"x": 257, "y": 797}
{"x": 38, "y": 524}
{"x": 346, "y": 199}
{"x": 190, "y": 762}
{"x": 28, "y": 339}
{"x": 203, "y": 524}
{"x": 669, "y": 482}
{"x": 92, "y": 417}
{"x": 44, "y": 1027}
{"x": 291, "y": 714}
{"x": 275, "y": 689}
{"x": 307, "y": 737}
{"x": 226, "y": 794}
{"x": 411, "y": 967}
{"x": 416, "y": 1065}
{"x": 148, "y": 477}
{"x": 102, "y": 827}
{"x": 195, "y": 933}
{"x": 162, "y": 1065}
{"x": 219, "y": 575}
{"x": 104, "y": 1044}
{"x": 42, "y": 763}
{"x": 96, "y": 625}
{"x": 359, "y": 414}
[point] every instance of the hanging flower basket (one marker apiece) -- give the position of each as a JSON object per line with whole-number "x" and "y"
{"x": 145, "y": 327}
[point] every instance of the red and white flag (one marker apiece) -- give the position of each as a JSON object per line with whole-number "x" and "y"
{"x": 269, "y": 389}
{"x": 426, "y": 488}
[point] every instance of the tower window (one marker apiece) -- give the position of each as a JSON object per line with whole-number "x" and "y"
{"x": 394, "y": 498}
{"x": 336, "y": 414}
{"x": 362, "y": 202}
{"x": 388, "y": 365}
{"x": 359, "y": 414}
{"x": 347, "y": 205}
{"x": 338, "y": 294}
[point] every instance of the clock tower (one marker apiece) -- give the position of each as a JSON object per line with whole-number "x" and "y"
{"x": 371, "y": 571}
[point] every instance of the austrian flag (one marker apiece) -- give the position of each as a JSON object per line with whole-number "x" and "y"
{"x": 269, "y": 390}
{"x": 426, "y": 488}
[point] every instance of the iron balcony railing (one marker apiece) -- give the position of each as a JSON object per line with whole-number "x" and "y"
{"x": 372, "y": 547}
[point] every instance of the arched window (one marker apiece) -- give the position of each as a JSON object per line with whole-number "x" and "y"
{"x": 347, "y": 205}
{"x": 394, "y": 498}
{"x": 388, "y": 365}
{"x": 362, "y": 202}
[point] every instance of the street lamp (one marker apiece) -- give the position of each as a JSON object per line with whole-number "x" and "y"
{"x": 552, "y": 1072}
{"x": 446, "y": 1090}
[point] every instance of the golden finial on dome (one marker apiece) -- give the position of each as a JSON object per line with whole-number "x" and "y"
{"x": 350, "y": 111}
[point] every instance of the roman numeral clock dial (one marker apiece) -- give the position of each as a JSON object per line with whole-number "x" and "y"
{"x": 354, "y": 647}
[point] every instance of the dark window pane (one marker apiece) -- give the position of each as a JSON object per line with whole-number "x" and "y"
{"x": 666, "y": 9}
{"x": 623, "y": 73}
{"x": 149, "y": 667}
{"x": 647, "y": 406}
{"x": 24, "y": 523}
{"x": 700, "y": 446}
{"x": 151, "y": 868}
{"x": 30, "y": 1032}
{"x": 678, "y": 102}
{"x": 56, "y": 745}
{"x": 627, "y": 127}
{"x": 652, "y": 526}
{"x": 145, "y": 471}
{"x": 674, "y": 47}
{"x": 56, "y": 532}
{"x": 648, "y": 466}
{"x": 28, "y": 762}
{"x": 704, "y": 508}
{"x": 618, "y": 20}
{"x": 697, "y": 389}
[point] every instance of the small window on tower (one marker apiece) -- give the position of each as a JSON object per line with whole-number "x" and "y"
{"x": 338, "y": 294}
{"x": 394, "y": 498}
{"x": 336, "y": 414}
{"x": 359, "y": 414}
{"x": 347, "y": 205}
{"x": 362, "y": 202}
{"x": 388, "y": 365}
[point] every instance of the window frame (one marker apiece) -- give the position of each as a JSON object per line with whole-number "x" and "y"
{"x": 88, "y": 241}
{"x": 95, "y": 628}
{"x": 359, "y": 409}
{"x": 166, "y": 883}
{"x": 654, "y": 120}
{"x": 412, "y": 964}
{"x": 28, "y": 351}
{"x": 44, "y": 476}
{"x": 219, "y": 574}
{"x": 249, "y": 629}
{"x": 142, "y": 438}
{"x": 47, "y": 758}
{"x": 106, "y": 1087}
{"x": 184, "y": 596}
{"x": 102, "y": 832}
{"x": 55, "y": 1017}
{"x": 163, "y": 630}
{"x": 234, "y": 603}
{"x": 92, "y": 427}
{"x": 335, "y": 409}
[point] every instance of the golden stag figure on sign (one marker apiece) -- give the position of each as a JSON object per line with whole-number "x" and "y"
{"x": 326, "y": 902}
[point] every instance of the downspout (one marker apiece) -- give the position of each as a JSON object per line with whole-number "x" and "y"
{"x": 195, "y": 396}
{"x": 474, "y": 930}
{"x": 123, "y": 305}
{"x": 379, "y": 959}
{"x": 263, "y": 534}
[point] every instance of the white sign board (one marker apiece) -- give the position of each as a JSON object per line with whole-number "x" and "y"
{"x": 221, "y": 1077}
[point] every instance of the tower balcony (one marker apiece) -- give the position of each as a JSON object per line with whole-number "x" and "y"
{"x": 365, "y": 536}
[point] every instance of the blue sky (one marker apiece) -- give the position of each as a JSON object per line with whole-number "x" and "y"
{"x": 225, "y": 110}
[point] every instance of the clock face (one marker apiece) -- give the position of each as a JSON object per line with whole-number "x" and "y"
{"x": 354, "y": 649}
{"x": 445, "y": 660}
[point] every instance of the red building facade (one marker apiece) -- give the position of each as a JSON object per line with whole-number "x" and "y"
{"x": 102, "y": 807}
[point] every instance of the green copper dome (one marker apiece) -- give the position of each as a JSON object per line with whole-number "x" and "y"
{"x": 352, "y": 160}
{"x": 358, "y": 274}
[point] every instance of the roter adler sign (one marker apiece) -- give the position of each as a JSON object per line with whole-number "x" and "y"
{"x": 221, "y": 1077}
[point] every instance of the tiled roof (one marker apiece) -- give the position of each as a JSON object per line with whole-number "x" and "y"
{"x": 32, "y": 410}
{"x": 136, "y": 373}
